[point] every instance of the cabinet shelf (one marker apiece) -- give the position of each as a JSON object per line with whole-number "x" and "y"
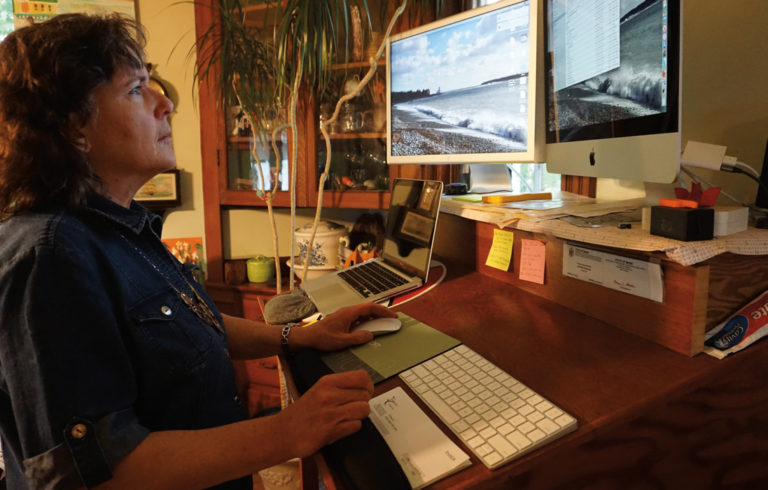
{"x": 353, "y": 65}
{"x": 231, "y": 197}
{"x": 356, "y": 199}
{"x": 244, "y": 142}
{"x": 356, "y": 136}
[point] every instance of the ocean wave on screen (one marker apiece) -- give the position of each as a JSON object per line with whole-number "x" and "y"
{"x": 642, "y": 87}
{"x": 484, "y": 121}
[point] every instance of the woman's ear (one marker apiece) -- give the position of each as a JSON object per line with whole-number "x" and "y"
{"x": 82, "y": 143}
{"x": 76, "y": 134}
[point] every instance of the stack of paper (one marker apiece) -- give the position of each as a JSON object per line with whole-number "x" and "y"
{"x": 424, "y": 452}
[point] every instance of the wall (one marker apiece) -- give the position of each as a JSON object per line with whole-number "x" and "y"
{"x": 247, "y": 232}
{"x": 170, "y": 28}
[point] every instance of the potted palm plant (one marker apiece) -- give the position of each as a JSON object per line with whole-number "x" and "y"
{"x": 271, "y": 65}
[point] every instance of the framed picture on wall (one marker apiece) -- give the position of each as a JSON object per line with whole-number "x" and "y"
{"x": 26, "y": 12}
{"x": 162, "y": 191}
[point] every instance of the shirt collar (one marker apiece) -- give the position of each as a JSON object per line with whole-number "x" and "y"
{"x": 134, "y": 218}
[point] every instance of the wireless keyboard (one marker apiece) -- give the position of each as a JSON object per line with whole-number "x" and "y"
{"x": 496, "y": 416}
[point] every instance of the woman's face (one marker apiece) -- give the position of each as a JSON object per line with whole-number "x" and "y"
{"x": 128, "y": 137}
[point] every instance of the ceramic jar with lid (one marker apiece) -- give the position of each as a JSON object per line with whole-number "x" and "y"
{"x": 327, "y": 246}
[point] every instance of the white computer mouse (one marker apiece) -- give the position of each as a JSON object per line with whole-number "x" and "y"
{"x": 379, "y": 326}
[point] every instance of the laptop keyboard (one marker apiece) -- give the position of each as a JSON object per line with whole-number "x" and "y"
{"x": 371, "y": 278}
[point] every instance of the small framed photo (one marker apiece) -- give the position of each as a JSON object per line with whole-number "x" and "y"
{"x": 162, "y": 191}
{"x": 416, "y": 227}
{"x": 429, "y": 195}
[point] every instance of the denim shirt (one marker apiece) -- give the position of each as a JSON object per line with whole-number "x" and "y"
{"x": 97, "y": 349}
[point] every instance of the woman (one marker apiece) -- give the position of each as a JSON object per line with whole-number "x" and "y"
{"x": 115, "y": 367}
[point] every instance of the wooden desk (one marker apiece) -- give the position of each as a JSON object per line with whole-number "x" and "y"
{"x": 648, "y": 417}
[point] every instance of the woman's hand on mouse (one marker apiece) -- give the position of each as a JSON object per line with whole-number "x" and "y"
{"x": 333, "y": 331}
{"x": 333, "y": 408}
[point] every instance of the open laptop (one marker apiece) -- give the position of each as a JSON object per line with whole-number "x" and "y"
{"x": 405, "y": 258}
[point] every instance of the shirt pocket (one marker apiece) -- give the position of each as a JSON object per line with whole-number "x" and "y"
{"x": 169, "y": 335}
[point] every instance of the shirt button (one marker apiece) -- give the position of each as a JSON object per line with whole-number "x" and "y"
{"x": 79, "y": 431}
{"x": 166, "y": 310}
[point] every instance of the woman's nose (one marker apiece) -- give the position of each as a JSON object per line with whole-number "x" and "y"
{"x": 164, "y": 106}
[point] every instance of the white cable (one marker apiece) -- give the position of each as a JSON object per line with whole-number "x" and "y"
{"x": 746, "y": 168}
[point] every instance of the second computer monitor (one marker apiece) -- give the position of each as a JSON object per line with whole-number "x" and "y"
{"x": 612, "y": 86}
{"x": 463, "y": 89}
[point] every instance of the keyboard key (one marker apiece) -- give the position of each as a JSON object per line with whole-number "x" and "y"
{"x": 502, "y": 446}
{"x": 526, "y": 427}
{"x": 487, "y": 433}
{"x": 535, "y": 417}
{"x": 536, "y": 435}
{"x": 519, "y": 440}
{"x": 547, "y": 425}
{"x": 553, "y": 413}
{"x": 476, "y": 442}
{"x": 468, "y": 434}
{"x": 443, "y": 411}
{"x": 420, "y": 371}
{"x": 461, "y": 426}
{"x": 484, "y": 450}
{"x": 492, "y": 459}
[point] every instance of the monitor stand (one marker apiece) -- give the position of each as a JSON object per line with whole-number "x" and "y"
{"x": 655, "y": 191}
{"x": 618, "y": 190}
{"x": 489, "y": 177}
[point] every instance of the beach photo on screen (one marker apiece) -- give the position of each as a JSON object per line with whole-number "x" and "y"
{"x": 462, "y": 88}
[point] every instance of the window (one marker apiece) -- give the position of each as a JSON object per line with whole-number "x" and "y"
{"x": 6, "y": 18}
{"x": 532, "y": 177}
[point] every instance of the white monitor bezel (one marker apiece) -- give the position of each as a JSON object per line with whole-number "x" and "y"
{"x": 534, "y": 151}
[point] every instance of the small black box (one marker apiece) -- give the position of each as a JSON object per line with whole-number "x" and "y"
{"x": 455, "y": 189}
{"x": 686, "y": 224}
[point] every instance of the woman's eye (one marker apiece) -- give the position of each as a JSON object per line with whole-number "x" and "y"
{"x": 136, "y": 90}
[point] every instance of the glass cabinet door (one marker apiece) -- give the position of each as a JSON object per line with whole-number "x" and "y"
{"x": 358, "y": 136}
{"x": 246, "y": 168}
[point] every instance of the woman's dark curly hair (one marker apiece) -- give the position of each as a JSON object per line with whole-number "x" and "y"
{"x": 48, "y": 73}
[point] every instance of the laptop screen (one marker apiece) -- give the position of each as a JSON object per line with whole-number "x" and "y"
{"x": 411, "y": 223}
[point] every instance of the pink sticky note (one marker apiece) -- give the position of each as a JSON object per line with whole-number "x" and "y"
{"x": 532, "y": 260}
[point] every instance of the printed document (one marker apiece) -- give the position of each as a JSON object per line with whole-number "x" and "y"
{"x": 424, "y": 452}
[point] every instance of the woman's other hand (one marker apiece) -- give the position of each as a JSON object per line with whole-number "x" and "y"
{"x": 333, "y": 408}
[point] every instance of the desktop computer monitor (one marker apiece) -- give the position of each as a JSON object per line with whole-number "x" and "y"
{"x": 463, "y": 89}
{"x": 613, "y": 88}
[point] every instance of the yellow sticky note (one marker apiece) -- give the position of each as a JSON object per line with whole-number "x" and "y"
{"x": 532, "y": 260}
{"x": 501, "y": 250}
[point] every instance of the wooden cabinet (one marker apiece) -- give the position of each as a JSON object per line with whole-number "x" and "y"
{"x": 227, "y": 165}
